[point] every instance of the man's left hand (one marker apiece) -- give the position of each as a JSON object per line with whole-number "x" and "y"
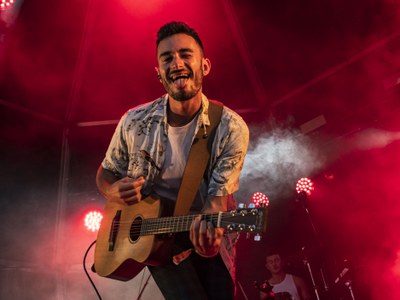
{"x": 205, "y": 238}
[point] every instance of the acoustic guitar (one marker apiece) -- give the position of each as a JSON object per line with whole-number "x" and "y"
{"x": 133, "y": 236}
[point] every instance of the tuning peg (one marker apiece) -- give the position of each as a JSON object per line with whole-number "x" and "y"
{"x": 257, "y": 237}
{"x": 231, "y": 227}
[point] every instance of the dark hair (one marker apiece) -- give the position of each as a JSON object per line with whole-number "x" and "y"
{"x": 174, "y": 27}
{"x": 273, "y": 251}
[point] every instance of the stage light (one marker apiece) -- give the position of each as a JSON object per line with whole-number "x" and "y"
{"x": 304, "y": 185}
{"x": 5, "y": 4}
{"x": 93, "y": 220}
{"x": 259, "y": 198}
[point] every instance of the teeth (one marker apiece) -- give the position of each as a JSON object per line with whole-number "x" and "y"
{"x": 173, "y": 78}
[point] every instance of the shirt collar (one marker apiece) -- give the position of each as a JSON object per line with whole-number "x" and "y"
{"x": 203, "y": 114}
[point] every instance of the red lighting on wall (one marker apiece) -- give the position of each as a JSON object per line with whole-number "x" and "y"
{"x": 143, "y": 8}
{"x": 259, "y": 198}
{"x": 93, "y": 220}
{"x": 304, "y": 185}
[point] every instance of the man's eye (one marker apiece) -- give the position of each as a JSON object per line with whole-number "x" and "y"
{"x": 167, "y": 59}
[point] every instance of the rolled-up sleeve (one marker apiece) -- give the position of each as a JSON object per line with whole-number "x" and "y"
{"x": 117, "y": 155}
{"x": 230, "y": 144}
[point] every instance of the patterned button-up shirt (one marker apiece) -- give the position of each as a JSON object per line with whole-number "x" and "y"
{"x": 140, "y": 140}
{"x": 139, "y": 144}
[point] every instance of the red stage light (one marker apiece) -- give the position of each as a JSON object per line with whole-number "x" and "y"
{"x": 93, "y": 220}
{"x": 4, "y": 4}
{"x": 304, "y": 185}
{"x": 259, "y": 198}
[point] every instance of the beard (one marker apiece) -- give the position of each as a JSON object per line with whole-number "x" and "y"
{"x": 188, "y": 92}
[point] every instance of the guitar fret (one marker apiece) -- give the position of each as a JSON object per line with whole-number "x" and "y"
{"x": 175, "y": 227}
{"x": 162, "y": 225}
{"x": 178, "y": 224}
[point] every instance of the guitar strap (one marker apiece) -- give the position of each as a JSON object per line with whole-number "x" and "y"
{"x": 199, "y": 156}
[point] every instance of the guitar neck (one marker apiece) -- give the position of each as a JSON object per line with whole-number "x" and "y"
{"x": 175, "y": 224}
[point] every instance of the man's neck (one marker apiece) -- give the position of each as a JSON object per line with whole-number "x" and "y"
{"x": 181, "y": 113}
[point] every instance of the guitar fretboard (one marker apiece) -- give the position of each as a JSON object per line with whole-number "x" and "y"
{"x": 173, "y": 224}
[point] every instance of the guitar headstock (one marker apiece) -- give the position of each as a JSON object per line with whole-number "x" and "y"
{"x": 250, "y": 219}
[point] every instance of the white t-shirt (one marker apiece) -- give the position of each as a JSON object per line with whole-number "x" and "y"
{"x": 177, "y": 152}
{"x": 287, "y": 285}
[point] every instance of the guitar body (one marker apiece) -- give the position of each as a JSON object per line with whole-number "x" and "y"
{"x": 121, "y": 252}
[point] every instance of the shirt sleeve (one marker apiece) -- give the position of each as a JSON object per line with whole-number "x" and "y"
{"x": 231, "y": 144}
{"x": 117, "y": 157}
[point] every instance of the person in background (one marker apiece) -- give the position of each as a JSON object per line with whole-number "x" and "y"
{"x": 284, "y": 286}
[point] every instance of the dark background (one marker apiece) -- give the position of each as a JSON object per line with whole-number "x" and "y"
{"x": 317, "y": 82}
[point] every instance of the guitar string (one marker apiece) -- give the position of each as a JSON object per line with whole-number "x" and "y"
{"x": 173, "y": 221}
{"x": 176, "y": 218}
{"x": 178, "y": 223}
{"x": 172, "y": 224}
{"x": 155, "y": 222}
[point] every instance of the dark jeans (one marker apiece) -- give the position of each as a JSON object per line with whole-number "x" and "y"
{"x": 194, "y": 278}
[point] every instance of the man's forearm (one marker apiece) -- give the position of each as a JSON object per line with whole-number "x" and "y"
{"x": 104, "y": 179}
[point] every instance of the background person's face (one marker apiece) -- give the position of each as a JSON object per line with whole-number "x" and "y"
{"x": 274, "y": 263}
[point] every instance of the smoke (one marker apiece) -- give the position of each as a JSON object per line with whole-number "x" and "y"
{"x": 372, "y": 138}
{"x": 396, "y": 266}
{"x": 364, "y": 140}
{"x": 384, "y": 272}
{"x": 276, "y": 160}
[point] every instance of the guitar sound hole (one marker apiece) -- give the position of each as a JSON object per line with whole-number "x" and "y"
{"x": 135, "y": 229}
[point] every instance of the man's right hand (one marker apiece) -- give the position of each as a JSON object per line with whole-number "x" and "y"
{"x": 125, "y": 191}
{"x": 122, "y": 190}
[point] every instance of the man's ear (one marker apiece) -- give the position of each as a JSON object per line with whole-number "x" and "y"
{"x": 158, "y": 74}
{"x": 206, "y": 66}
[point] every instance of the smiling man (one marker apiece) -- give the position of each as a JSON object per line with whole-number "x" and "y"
{"x": 182, "y": 67}
{"x": 148, "y": 154}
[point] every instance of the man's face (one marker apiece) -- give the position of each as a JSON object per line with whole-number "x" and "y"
{"x": 274, "y": 263}
{"x": 181, "y": 66}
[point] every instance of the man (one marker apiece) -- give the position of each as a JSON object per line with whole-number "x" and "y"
{"x": 148, "y": 153}
{"x": 283, "y": 283}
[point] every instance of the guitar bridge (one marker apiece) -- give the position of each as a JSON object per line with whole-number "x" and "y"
{"x": 112, "y": 237}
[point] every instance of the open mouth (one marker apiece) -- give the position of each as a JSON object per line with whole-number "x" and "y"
{"x": 179, "y": 76}
{"x": 179, "y": 79}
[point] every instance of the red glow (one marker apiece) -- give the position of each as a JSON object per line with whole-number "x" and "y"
{"x": 93, "y": 220}
{"x": 304, "y": 185}
{"x": 259, "y": 198}
{"x": 396, "y": 267}
{"x": 143, "y": 8}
